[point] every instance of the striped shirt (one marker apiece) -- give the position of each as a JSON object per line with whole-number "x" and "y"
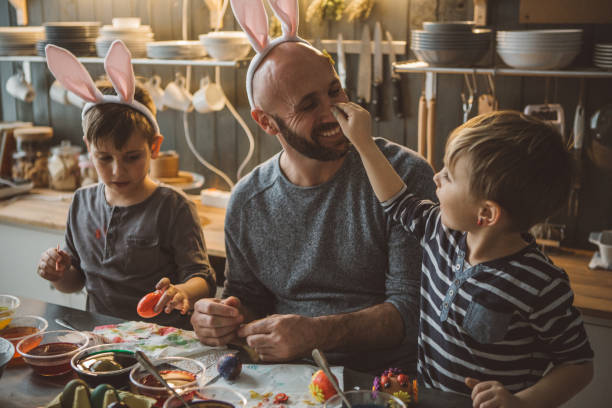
{"x": 507, "y": 319}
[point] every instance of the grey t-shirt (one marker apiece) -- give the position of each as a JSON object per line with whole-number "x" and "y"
{"x": 327, "y": 249}
{"x": 124, "y": 251}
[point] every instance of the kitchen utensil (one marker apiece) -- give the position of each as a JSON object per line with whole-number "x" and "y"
{"x": 378, "y": 73}
{"x": 65, "y": 324}
{"x": 468, "y": 101}
{"x": 552, "y": 113}
{"x": 487, "y": 102}
{"x": 319, "y": 358}
{"x": 430, "y": 95}
{"x": 146, "y": 363}
{"x": 396, "y": 83}
{"x": 341, "y": 64}
{"x": 364, "y": 75}
{"x": 422, "y": 125}
{"x": 577, "y": 142}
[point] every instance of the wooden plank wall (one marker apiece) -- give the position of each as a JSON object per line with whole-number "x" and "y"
{"x": 219, "y": 138}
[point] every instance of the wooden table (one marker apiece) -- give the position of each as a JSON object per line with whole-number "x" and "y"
{"x": 20, "y": 387}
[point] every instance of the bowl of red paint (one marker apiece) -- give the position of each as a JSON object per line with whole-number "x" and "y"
{"x": 49, "y": 353}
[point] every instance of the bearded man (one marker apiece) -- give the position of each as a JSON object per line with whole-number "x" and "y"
{"x": 312, "y": 260}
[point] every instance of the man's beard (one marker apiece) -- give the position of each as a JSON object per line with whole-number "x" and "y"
{"x": 312, "y": 149}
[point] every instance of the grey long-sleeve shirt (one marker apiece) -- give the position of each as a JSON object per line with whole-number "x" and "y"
{"x": 326, "y": 249}
{"x": 124, "y": 251}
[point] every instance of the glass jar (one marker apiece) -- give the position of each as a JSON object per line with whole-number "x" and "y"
{"x": 31, "y": 167}
{"x": 64, "y": 166}
{"x": 89, "y": 175}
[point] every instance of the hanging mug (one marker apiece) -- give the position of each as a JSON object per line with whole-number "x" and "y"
{"x": 209, "y": 97}
{"x": 19, "y": 88}
{"x": 176, "y": 96}
{"x": 153, "y": 87}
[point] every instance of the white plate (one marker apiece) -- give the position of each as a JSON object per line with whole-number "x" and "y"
{"x": 198, "y": 182}
{"x": 11, "y": 191}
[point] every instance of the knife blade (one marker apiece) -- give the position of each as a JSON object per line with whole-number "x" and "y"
{"x": 364, "y": 73}
{"x": 378, "y": 73}
{"x": 341, "y": 65}
{"x": 396, "y": 82}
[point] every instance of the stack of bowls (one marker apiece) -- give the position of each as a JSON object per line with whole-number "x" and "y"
{"x": 226, "y": 45}
{"x": 20, "y": 40}
{"x": 135, "y": 38}
{"x": 452, "y": 43}
{"x": 175, "y": 50}
{"x": 539, "y": 49}
{"x": 602, "y": 57}
{"x": 78, "y": 37}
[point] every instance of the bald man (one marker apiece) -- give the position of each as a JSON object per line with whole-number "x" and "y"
{"x": 312, "y": 261}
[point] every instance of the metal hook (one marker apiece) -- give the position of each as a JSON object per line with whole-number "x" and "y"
{"x": 491, "y": 83}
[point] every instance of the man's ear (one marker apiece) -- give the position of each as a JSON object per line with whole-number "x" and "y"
{"x": 156, "y": 145}
{"x": 490, "y": 213}
{"x": 265, "y": 121}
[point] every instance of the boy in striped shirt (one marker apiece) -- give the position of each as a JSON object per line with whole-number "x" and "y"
{"x": 496, "y": 319}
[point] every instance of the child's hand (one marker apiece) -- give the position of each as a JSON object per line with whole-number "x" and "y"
{"x": 172, "y": 298}
{"x": 355, "y": 122}
{"x": 492, "y": 394}
{"x": 53, "y": 263}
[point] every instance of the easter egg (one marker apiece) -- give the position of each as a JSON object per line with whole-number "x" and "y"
{"x": 320, "y": 387}
{"x": 229, "y": 366}
{"x": 147, "y": 303}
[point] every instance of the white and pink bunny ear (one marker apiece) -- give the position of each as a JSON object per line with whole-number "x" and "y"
{"x": 287, "y": 12}
{"x": 118, "y": 66}
{"x": 67, "y": 69}
{"x": 252, "y": 17}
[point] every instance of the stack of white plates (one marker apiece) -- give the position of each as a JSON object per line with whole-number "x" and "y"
{"x": 602, "y": 57}
{"x": 539, "y": 49}
{"x": 226, "y": 45}
{"x": 20, "y": 40}
{"x": 450, "y": 43}
{"x": 175, "y": 50}
{"x": 135, "y": 38}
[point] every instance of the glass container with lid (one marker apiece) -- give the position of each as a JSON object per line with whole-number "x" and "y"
{"x": 89, "y": 175}
{"x": 64, "y": 166}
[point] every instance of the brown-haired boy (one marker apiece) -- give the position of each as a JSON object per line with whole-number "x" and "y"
{"x": 497, "y": 319}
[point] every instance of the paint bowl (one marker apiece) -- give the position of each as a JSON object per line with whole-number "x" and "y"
{"x": 105, "y": 364}
{"x": 208, "y": 397}
{"x": 49, "y": 353}
{"x": 8, "y": 305}
{"x": 7, "y": 350}
{"x": 19, "y": 328}
{"x": 179, "y": 372}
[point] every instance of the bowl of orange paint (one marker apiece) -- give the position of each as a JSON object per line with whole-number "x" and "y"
{"x": 19, "y": 328}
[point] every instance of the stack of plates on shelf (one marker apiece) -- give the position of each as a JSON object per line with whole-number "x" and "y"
{"x": 20, "y": 40}
{"x": 452, "y": 43}
{"x": 175, "y": 50}
{"x": 78, "y": 37}
{"x": 226, "y": 45}
{"x": 539, "y": 49}
{"x": 135, "y": 38}
{"x": 602, "y": 57}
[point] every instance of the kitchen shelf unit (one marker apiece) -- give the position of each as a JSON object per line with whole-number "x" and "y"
{"x": 139, "y": 61}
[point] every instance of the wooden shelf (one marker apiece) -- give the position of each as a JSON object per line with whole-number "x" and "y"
{"x": 138, "y": 61}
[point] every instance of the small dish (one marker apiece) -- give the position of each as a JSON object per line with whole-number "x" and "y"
{"x": 8, "y": 305}
{"x": 208, "y": 397}
{"x": 180, "y": 372}
{"x": 19, "y": 328}
{"x": 49, "y": 353}
{"x": 7, "y": 350}
{"x": 366, "y": 398}
{"x": 105, "y": 364}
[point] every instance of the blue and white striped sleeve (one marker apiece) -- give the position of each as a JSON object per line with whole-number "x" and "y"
{"x": 415, "y": 215}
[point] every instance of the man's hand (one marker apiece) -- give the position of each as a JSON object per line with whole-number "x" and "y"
{"x": 355, "y": 122}
{"x": 53, "y": 263}
{"x": 492, "y": 394}
{"x": 216, "y": 321}
{"x": 281, "y": 337}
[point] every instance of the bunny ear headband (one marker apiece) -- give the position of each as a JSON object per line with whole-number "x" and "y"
{"x": 252, "y": 17}
{"x": 117, "y": 64}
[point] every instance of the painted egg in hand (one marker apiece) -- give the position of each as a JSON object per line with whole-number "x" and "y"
{"x": 147, "y": 303}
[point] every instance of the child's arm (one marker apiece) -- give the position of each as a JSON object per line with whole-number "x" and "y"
{"x": 356, "y": 124}
{"x": 554, "y": 389}
{"x": 56, "y": 266}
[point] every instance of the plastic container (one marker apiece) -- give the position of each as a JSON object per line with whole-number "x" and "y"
{"x": 30, "y": 159}
{"x": 64, "y": 167}
{"x": 20, "y": 328}
{"x": 92, "y": 364}
{"x": 8, "y": 305}
{"x": 89, "y": 175}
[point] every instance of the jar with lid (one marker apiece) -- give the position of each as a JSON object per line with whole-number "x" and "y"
{"x": 89, "y": 175}
{"x": 64, "y": 166}
{"x": 30, "y": 160}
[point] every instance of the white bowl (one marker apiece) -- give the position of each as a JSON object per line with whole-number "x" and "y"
{"x": 537, "y": 60}
{"x": 126, "y": 22}
{"x": 226, "y": 45}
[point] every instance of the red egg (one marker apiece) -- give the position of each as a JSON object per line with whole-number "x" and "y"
{"x": 147, "y": 303}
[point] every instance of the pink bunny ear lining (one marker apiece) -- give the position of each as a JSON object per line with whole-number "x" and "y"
{"x": 252, "y": 17}
{"x": 67, "y": 69}
{"x": 287, "y": 12}
{"x": 118, "y": 66}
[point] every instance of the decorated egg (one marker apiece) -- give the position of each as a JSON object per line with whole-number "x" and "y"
{"x": 147, "y": 303}
{"x": 396, "y": 382}
{"x": 229, "y": 366}
{"x": 320, "y": 387}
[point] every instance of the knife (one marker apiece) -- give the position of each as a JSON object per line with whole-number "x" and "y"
{"x": 364, "y": 75}
{"x": 378, "y": 73}
{"x": 396, "y": 82}
{"x": 341, "y": 65}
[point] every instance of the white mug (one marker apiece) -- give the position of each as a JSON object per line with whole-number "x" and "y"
{"x": 176, "y": 96}
{"x": 19, "y": 88}
{"x": 75, "y": 99}
{"x": 58, "y": 93}
{"x": 209, "y": 97}
{"x": 153, "y": 86}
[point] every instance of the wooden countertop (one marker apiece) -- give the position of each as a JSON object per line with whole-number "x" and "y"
{"x": 44, "y": 208}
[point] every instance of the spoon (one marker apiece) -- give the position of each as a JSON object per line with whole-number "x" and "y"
{"x": 65, "y": 324}
{"x": 321, "y": 361}
{"x": 146, "y": 363}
